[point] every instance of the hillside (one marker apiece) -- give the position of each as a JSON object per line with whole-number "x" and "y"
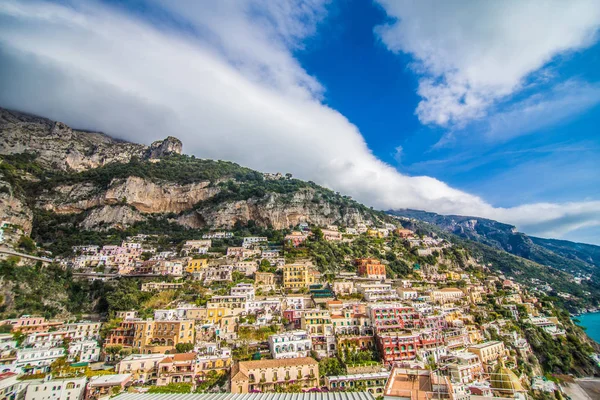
{"x": 575, "y": 258}
{"x": 57, "y": 182}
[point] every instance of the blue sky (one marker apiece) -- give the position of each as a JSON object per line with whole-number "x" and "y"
{"x": 465, "y": 107}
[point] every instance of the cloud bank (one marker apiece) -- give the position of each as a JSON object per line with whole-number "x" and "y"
{"x": 221, "y": 77}
{"x": 472, "y": 54}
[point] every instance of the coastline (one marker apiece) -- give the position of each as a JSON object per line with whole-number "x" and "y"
{"x": 591, "y": 322}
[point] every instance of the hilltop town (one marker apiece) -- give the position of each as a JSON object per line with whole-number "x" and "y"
{"x": 401, "y": 315}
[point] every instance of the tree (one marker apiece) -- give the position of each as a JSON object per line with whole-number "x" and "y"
{"x": 331, "y": 366}
{"x": 184, "y": 347}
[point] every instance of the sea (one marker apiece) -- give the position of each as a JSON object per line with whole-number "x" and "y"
{"x": 590, "y": 321}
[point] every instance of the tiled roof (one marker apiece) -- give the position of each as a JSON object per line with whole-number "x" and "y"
{"x": 285, "y": 362}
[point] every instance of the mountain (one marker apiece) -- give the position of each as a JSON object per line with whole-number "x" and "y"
{"x": 55, "y": 180}
{"x": 575, "y": 258}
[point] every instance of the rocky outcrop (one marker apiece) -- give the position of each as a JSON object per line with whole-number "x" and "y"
{"x": 276, "y": 211}
{"x": 162, "y": 148}
{"x": 142, "y": 194}
{"x": 13, "y": 208}
{"x": 60, "y": 147}
{"x": 108, "y": 217}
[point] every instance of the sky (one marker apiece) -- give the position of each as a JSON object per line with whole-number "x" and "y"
{"x": 488, "y": 109}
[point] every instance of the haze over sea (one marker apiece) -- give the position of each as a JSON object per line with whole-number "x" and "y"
{"x": 591, "y": 321}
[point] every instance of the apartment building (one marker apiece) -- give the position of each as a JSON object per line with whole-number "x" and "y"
{"x": 56, "y": 389}
{"x": 370, "y": 268}
{"x": 297, "y": 276}
{"x": 142, "y": 367}
{"x": 291, "y": 344}
{"x": 265, "y": 375}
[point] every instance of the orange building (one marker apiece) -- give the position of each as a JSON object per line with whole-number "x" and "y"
{"x": 370, "y": 268}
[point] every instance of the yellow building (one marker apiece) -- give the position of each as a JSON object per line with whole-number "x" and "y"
{"x": 159, "y": 336}
{"x": 196, "y": 265}
{"x": 488, "y": 351}
{"x": 216, "y": 314}
{"x": 266, "y": 375}
{"x": 296, "y": 276}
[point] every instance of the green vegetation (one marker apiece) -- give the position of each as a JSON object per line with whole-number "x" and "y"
{"x": 172, "y": 388}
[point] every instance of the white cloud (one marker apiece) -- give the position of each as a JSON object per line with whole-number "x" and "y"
{"x": 539, "y": 111}
{"x": 229, "y": 87}
{"x": 471, "y": 54}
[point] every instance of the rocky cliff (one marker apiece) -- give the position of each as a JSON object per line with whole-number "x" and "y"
{"x": 60, "y": 147}
{"x": 98, "y": 183}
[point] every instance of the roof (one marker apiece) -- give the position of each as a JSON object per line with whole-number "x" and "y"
{"x": 285, "y": 362}
{"x": 249, "y": 396}
{"x": 109, "y": 380}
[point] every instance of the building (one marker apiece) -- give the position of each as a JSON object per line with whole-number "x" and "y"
{"x": 297, "y": 276}
{"x": 394, "y": 316}
{"x": 488, "y": 352}
{"x": 296, "y": 238}
{"x": 38, "y": 359}
{"x": 264, "y": 278}
{"x": 56, "y": 389}
{"x": 249, "y": 241}
{"x": 373, "y": 382}
{"x": 397, "y": 346}
{"x": 244, "y": 290}
{"x": 177, "y": 368}
{"x": 215, "y": 360}
{"x": 446, "y": 295}
{"x": 291, "y": 344}
{"x": 152, "y": 336}
{"x": 142, "y": 367}
{"x": 416, "y": 384}
{"x": 370, "y": 268}
{"x": 196, "y": 265}
{"x": 265, "y": 375}
{"x": 319, "y": 326}
{"x": 103, "y": 385}
{"x": 236, "y": 304}
{"x": 9, "y": 386}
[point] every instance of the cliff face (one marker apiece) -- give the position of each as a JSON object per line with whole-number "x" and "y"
{"x": 104, "y": 183}
{"x": 275, "y": 211}
{"x": 60, "y": 147}
{"x": 142, "y": 194}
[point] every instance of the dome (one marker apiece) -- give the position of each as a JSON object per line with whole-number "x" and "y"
{"x": 504, "y": 379}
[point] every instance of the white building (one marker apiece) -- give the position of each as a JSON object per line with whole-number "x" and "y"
{"x": 56, "y": 389}
{"x": 292, "y": 344}
{"x": 407, "y": 294}
{"x": 38, "y": 358}
{"x": 84, "y": 351}
{"x": 377, "y": 291}
{"x": 249, "y": 241}
{"x": 243, "y": 289}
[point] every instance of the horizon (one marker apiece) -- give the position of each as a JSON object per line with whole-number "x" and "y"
{"x": 398, "y": 105}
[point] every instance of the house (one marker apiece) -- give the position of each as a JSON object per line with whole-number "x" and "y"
{"x": 142, "y": 367}
{"x": 100, "y": 386}
{"x": 249, "y": 241}
{"x": 296, "y": 238}
{"x": 265, "y": 375}
{"x": 416, "y": 384}
{"x": 370, "y": 268}
{"x": 291, "y": 344}
{"x": 177, "y": 368}
{"x": 446, "y": 295}
{"x": 373, "y": 382}
{"x": 38, "y": 359}
{"x": 9, "y": 385}
{"x": 319, "y": 326}
{"x": 488, "y": 352}
{"x": 56, "y": 389}
{"x": 297, "y": 276}
{"x": 196, "y": 265}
